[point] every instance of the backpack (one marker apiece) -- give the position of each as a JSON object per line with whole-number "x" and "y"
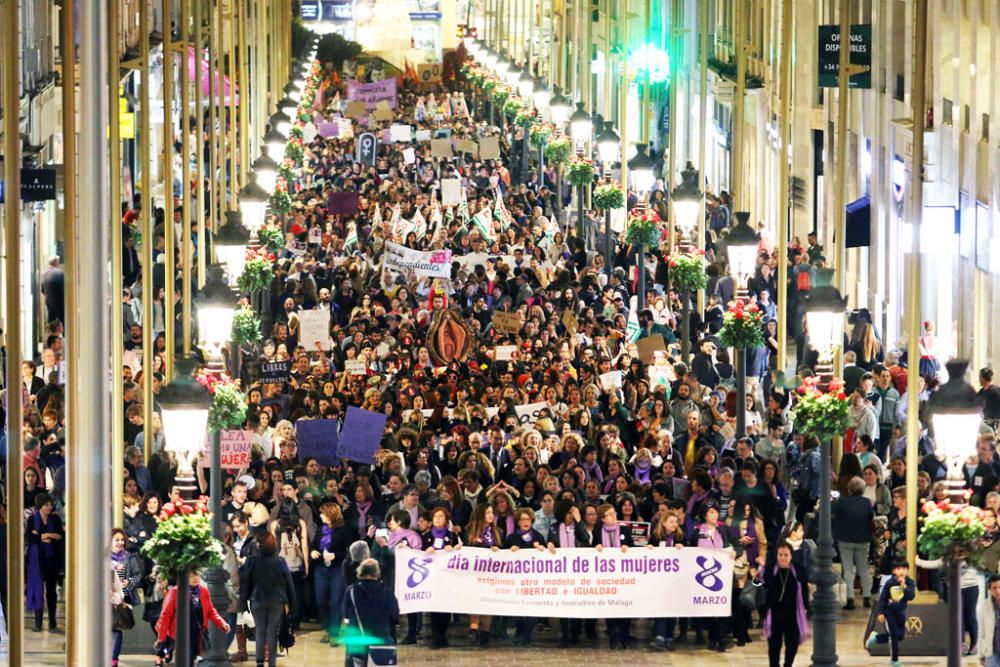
{"x": 803, "y": 281}
{"x": 291, "y": 552}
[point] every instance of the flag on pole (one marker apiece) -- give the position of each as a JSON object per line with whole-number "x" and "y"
{"x": 418, "y": 225}
{"x": 377, "y": 218}
{"x": 483, "y": 223}
{"x": 463, "y": 212}
{"x": 352, "y": 237}
{"x": 396, "y": 222}
{"x": 632, "y": 330}
{"x": 501, "y": 213}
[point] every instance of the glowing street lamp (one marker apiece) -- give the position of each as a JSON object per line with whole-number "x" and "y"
{"x": 608, "y": 145}
{"x": 560, "y": 107}
{"x": 274, "y": 144}
{"x": 184, "y": 407}
{"x": 231, "y": 246}
{"x": 526, "y": 86}
{"x": 742, "y": 244}
{"x": 266, "y": 171}
{"x": 640, "y": 168}
{"x": 281, "y": 122}
{"x": 253, "y": 206}
{"x": 540, "y": 96}
{"x": 686, "y": 200}
{"x": 581, "y": 126}
{"x": 215, "y": 304}
{"x": 501, "y": 67}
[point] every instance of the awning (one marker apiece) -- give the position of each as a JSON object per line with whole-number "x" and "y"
{"x": 858, "y": 223}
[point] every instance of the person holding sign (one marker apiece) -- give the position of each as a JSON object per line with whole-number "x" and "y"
{"x": 667, "y": 534}
{"x": 569, "y": 533}
{"x": 439, "y": 538}
{"x": 524, "y": 537}
{"x": 614, "y": 535}
{"x": 482, "y": 533}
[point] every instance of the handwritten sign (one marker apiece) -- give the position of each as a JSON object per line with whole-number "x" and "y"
{"x": 423, "y": 135}
{"x": 504, "y": 352}
{"x": 355, "y": 109}
{"x": 451, "y": 191}
{"x": 611, "y": 380}
{"x": 400, "y": 133}
{"x": 505, "y": 322}
{"x": 648, "y": 347}
{"x": 489, "y": 148}
{"x": 328, "y": 129}
{"x": 234, "y": 449}
{"x": 345, "y": 128}
{"x": 530, "y": 413}
{"x": 570, "y": 322}
{"x": 362, "y": 435}
{"x": 355, "y": 366}
{"x": 441, "y": 148}
{"x": 409, "y": 155}
{"x": 317, "y": 439}
{"x": 468, "y": 146}
{"x": 314, "y": 327}
{"x": 275, "y": 372}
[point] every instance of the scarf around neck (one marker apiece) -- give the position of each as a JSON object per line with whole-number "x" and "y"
{"x": 567, "y": 536}
{"x": 611, "y": 536}
{"x": 363, "y": 515}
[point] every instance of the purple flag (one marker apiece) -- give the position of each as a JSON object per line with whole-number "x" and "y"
{"x": 372, "y": 93}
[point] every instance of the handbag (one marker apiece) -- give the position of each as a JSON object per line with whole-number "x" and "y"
{"x": 122, "y": 617}
{"x": 753, "y": 595}
{"x": 378, "y": 656}
{"x": 840, "y": 590}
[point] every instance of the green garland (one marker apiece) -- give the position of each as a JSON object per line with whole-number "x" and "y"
{"x": 687, "y": 271}
{"x": 558, "y": 151}
{"x": 271, "y": 237}
{"x": 580, "y": 172}
{"x": 500, "y": 96}
{"x": 489, "y": 85}
{"x": 280, "y": 202}
{"x": 293, "y": 151}
{"x": 246, "y": 326}
{"x": 742, "y": 328}
{"x": 296, "y": 132}
{"x": 539, "y": 134}
{"x": 229, "y": 409}
{"x": 608, "y": 197}
{"x": 512, "y": 107}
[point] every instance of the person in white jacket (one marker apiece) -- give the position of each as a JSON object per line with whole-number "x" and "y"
{"x": 989, "y": 637}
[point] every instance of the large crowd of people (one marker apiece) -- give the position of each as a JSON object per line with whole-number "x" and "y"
{"x": 651, "y": 461}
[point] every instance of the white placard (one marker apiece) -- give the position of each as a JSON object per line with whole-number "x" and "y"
{"x": 570, "y": 583}
{"x": 504, "y": 352}
{"x": 409, "y": 155}
{"x": 315, "y": 235}
{"x": 451, "y": 191}
{"x": 611, "y": 380}
{"x": 346, "y": 129}
{"x": 400, "y": 133}
{"x": 355, "y": 367}
{"x": 314, "y": 326}
{"x": 423, "y": 135}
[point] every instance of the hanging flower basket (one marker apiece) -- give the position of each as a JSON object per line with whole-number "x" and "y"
{"x": 183, "y": 539}
{"x": 742, "y": 327}
{"x": 608, "y": 197}
{"x": 525, "y": 117}
{"x": 246, "y": 326}
{"x": 539, "y": 134}
{"x": 296, "y": 132}
{"x": 271, "y": 237}
{"x": 489, "y": 85}
{"x": 558, "y": 151}
{"x": 950, "y": 532}
{"x": 643, "y": 229}
{"x": 304, "y": 116}
{"x": 257, "y": 272}
{"x": 280, "y": 201}
{"x": 229, "y": 409}
{"x": 821, "y": 413}
{"x": 500, "y": 96}
{"x": 512, "y": 107}
{"x": 293, "y": 151}
{"x": 580, "y": 172}
{"x": 687, "y": 271}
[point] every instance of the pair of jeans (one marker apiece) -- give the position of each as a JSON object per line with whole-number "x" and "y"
{"x": 116, "y": 644}
{"x": 267, "y": 618}
{"x": 790, "y": 637}
{"x": 854, "y": 557}
{"x": 328, "y": 584}
{"x": 970, "y": 624}
{"x": 664, "y": 628}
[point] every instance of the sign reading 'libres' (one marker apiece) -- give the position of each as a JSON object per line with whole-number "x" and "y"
{"x": 570, "y": 583}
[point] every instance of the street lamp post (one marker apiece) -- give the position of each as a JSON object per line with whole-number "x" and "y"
{"x": 825, "y": 308}
{"x": 741, "y": 246}
{"x": 686, "y": 200}
{"x": 640, "y": 168}
{"x": 184, "y": 405}
{"x": 580, "y": 128}
{"x": 956, "y": 417}
{"x": 274, "y": 143}
{"x": 608, "y": 144}
{"x": 231, "y": 246}
{"x": 266, "y": 171}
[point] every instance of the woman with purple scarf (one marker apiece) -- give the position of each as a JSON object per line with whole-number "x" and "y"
{"x": 785, "y": 610}
{"x": 482, "y": 533}
{"x": 568, "y": 533}
{"x": 43, "y": 537}
{"x": 524, "y": 537}
{"x": 710, "y": 534}
{"x": 614, "y": 535}
{"x": 440, "y": 538}
{"x": 127, "y": 569}
{"x": 400, "y": 536}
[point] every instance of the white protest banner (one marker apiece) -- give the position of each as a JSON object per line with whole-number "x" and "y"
{"x": 451, "y": 191}
{"x": 409, "y": 155}
{"x": 528, "y": 414}
{"x": 611, "y": 380}
{"x": 430, "y": 264}
{"x": 571, "y": 583}
{"x": 314, "y": 327}
{"x": 234, "y": 449}
{"x": 355, "y": 366}
{"x": 400, "y": 133}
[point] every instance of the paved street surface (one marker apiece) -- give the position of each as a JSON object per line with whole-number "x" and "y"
{"x": 47, "y": 648}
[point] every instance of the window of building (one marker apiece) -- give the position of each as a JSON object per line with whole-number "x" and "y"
{"x": 947, "y": 111}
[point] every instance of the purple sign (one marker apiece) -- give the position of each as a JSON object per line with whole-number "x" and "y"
{"x": 373, "y": 93}
{"x": 328, "y": 129}
{"x": 342, "y": 203}
{"x": 318, "y": 439}
{"x": 362, "y": 435}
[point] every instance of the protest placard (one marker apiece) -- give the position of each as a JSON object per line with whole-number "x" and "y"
{"x": 400, "y": 133}
{"x": 318, "y": 439}
{"x": 451, "y": 191}
{"x": 489, "y": 148}
{"x": 611, "y": 380}
{"x": 274, "y": 372}
{"x": 528, "y": 414}
{"x": 314, "y": 327}
{"x": 423, "y": 135}
{"x": 234, "y": 449}
{"x": 504, "y": 352}
{"x": 505, "y": 322}
{"x": 441, "y": 148}
{"x": 362, "y": 435}
{"x": 328, "y": 129}
{"x": 409, "y": 155}
{"x": 345, "y": 128}
{"x": 640, "y": 532}
{"x": 468, "y": 146}
{"x": 570, "y": 322}
{"x": 648, "y": 346}
{"x": 379, "y": 95}
{"x": 355, "y": 109}
{"x": 355, "y": 366}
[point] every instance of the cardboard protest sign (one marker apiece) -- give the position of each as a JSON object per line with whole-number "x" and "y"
{"x": 504, "y": 352}
{"x": 362, "y": 435}
{"x": 314, "y": 327}
{"x": 423, "y": 135}
{"x": 318, "y": 439}
{"x": 529, "y": 414}
{"x": 505, "y": 322}
{"x": 441, "y": 148}
{"x": 451, "y": 191}
{"x": 570, "y": 322}
{"x": 274, "y": 372}
{"x": 315, "y": 236}
{"x": 234, "y": 449}
{"x": 468, "y": 146}
{"x": 382, "y": 115}
{"x": 355, "y": 367}
{"x": 648, "y": 346}
{"x": 400, "y": 133}
{"x": 355, "y": 109}
{"x": 489, "y": 148}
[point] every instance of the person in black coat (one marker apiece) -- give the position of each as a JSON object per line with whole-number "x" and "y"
{"x": 439, "y": 538}
{"x": 784, "y": 611}
{"x": 327, "y": 552}
{"x": 371, "y": 611}
{"x": 524, "y": 537}
{"x": 614, "y": 535}
{"x": 268, "y": 586}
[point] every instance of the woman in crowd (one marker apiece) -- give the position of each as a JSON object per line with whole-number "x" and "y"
{"x": 202, "y": 612}
{"x": 268, "y": 588}
{"x": 328, "y": 552}
{"x": 784, "y": 611}
{"x": 43, "y": 539}
{"x": 440, "y": 538}
{"x": 127, "y": 570}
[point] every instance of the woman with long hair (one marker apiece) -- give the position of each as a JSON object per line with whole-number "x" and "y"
{"x": 127, "y": 571}
{"x": 328, "y": 552}
{"x": 667, "y": 533}
{"x": 292, "y": 536}
{"x": 267, "y": 585}
{"x": 784, "y": 611}
{"x": 439, "y": 538}
{"x": 482, "y": 533}
{"x": 43, "y": 538}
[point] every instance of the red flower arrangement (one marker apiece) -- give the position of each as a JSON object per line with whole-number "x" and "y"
{"x": 742, "y": 326}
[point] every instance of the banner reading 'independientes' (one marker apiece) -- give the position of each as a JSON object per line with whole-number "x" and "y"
{"x": 571, "y": 583}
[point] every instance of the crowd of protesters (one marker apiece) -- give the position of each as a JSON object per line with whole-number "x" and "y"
{"x": 651, "y": 462}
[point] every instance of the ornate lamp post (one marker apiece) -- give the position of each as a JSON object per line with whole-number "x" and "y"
{"x": 825, "y": 310}
{"x": 253, "y": 207}
{"x": 608, "y": 147}
{"x": 581, "y": 128}
{"x": 184, "y": 407}
{"x": 231, "y": 246}
{"x": 741, "y": 246}
{"x": 956, "y": 417}
{"x": 274, "y": 144}
{"x": 640, "y": 168}
{"x": 686, "y": 200}
{"x": 560, "y": 108}
{"x": 266, "y": 171}
{"x": 282, "y": 122}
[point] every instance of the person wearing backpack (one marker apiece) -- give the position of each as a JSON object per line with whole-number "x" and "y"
{"x": 372, "y": 612}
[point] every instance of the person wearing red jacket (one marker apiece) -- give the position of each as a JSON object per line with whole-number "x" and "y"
{"x": 202, "y": 611}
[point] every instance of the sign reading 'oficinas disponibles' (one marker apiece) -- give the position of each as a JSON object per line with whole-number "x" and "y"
{"x": 860, "y": 56}
{"x": 570, "y": 583}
